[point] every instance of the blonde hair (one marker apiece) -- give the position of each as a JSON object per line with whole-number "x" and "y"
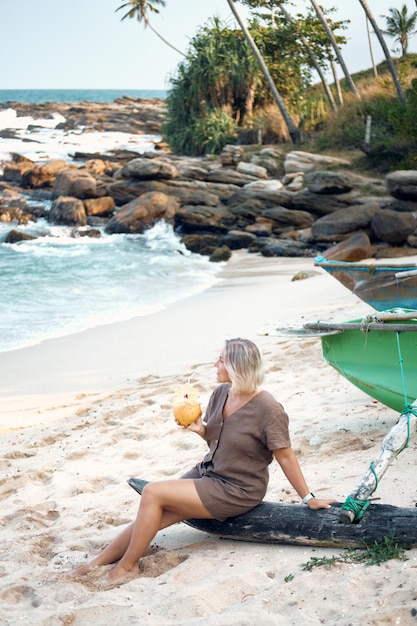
{"x": 243, "y": 362}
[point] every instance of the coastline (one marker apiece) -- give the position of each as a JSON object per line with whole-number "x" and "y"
{"x": 92, "y": 409}
{"x": 251, "y": 291}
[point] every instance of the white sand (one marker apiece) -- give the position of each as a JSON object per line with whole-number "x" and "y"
{"x": 81, "y": 414}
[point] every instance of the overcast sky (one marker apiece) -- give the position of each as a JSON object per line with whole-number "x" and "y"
{"x": 83, "y": 44}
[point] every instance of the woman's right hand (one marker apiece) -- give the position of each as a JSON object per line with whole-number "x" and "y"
{"x": 198, "y": 427}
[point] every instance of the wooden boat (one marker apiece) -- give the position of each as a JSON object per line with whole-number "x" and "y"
{"x": 378, "y": 354}
{"x": 381, "y": 286}
{"x": 387, "y": 292}
{"x": 295, "y": 524}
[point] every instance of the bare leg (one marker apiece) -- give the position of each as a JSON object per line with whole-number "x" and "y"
{"x": 119, "y": 546}
{"x": 114, "y": 551}
{"x": 163, "y": 503}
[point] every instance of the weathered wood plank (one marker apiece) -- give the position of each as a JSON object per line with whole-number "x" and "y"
{"x": 275, "y": 522}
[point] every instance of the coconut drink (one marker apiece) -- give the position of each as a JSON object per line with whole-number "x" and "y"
{"x": 186, "y": 408}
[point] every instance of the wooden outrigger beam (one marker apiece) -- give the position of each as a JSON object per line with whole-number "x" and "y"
{"x": 394, "y": 442}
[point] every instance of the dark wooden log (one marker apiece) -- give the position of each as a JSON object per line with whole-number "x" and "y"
{"x": 295, "y": 524}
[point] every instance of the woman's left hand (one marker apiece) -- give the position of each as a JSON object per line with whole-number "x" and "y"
{"x": 318, "y": 503}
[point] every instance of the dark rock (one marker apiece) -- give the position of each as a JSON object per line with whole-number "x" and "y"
{"x": 283, "y": 218}
{"x": 237, "y": 239}
{"x": 67, "y": 211}
{"x": 337, "y": 225}
{"x": 281, "y": 247}
{"x": 319, "y": 205}
{"x": 203, "y": 218}
{"x": 323, "y": 182}
{"x": 202, "y": 244}
{"x": 402, "y": 184}
{"x": 142, "y": 213}
{"x": 392, "y": 226}
{"x": 14, "y": 236}
{"x": 78, "y": 183}
{"x": 220, "y": 254}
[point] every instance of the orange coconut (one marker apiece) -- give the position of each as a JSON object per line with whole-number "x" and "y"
{"x": 186, "y": 408}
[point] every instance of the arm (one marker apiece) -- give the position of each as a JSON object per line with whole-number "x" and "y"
{"x": 291, "y": 468}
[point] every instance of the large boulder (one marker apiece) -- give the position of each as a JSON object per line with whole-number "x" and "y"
{"x": 323, "y": 182}
{"x": 200, "y": 219}
{"x": 103, "y": 207}
{"x": 146, "y": 169}
{"x": 78, "y": 183}
{"x": 340, "y": 224}
{"x": 299, "y": 161}
{"x": 43, "y": 175}
{"x": 402, "y": 184}
{"x": 283, "y": 218}
{"x": 320, "y": 204}
{"x": 257, "y": 171}
{"x": 393, "y": 227}
{"x": 187, "y": 192}
{"x": 67, "y": 211}
{"x": 142, "y": 213}
{"x": 355, "y": 248}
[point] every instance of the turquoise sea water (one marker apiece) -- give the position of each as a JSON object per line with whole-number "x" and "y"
{"x": 57, "y": 284}
{"x": 76, "y": 95}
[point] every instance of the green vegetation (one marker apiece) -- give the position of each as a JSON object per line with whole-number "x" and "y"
{"x": 393, "y": 138}
{"x": 219, "y": 95}
{"x": 371, "y": 554}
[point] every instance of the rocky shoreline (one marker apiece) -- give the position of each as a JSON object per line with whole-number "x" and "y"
{"x": 253, "y": 197}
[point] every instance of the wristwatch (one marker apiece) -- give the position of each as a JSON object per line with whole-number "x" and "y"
{"x": 308, "y": 497}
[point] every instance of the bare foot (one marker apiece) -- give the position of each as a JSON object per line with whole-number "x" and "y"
{"x": 82, "y": 570}
{"x": 120, "y": 575}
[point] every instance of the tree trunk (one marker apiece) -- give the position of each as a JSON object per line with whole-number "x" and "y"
{"x": 332, "y": 40}
{"x": 371, "y": 49}
{"x": 384, "y": 47}
{"x": 296, "y": 524}
{"x": 292, "y": 129}
{"x": 336, "y": 81}
{"x": 314, "y": 61}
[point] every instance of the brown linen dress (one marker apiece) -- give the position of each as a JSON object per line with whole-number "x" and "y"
{"x": 233, "y": 476}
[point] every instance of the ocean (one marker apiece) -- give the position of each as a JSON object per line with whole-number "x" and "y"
{"x": 59, "y": 284}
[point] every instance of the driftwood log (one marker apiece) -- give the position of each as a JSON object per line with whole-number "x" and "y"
{"x": 394, "y": 442}
{"x": 295, "y": 524}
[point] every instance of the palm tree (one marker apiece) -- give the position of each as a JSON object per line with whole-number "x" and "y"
{"x": 384, "y": 47}
{"x": 332, "y": 40}
{"x": 368, "y": 30}
{"x": 140, "y": 10}
{"x": 292, "y": 129}
{"x": 313, "y": 59}
{"x": 400, "y": 25}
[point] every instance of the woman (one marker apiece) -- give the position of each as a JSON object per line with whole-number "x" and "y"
{"x": 245, "y": 427}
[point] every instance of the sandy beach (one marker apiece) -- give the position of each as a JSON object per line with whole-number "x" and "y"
{"x": 81, "y": 414}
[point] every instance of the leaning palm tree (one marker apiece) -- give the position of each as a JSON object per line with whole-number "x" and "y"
{"x": 400, "y": 25}
{"x": 140, "y": 10}
{"x": 292, "y": 128}
{"x": 384, "y": 47}
{"x": 371, "y": 51}
{"x": 313, "y": 59}
{"x": 333, "y": 42}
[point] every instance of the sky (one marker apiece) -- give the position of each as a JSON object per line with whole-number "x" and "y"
{"x": 83, "y": 44}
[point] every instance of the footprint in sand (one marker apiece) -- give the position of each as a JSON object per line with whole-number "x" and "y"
{"x": 22, "y": 595}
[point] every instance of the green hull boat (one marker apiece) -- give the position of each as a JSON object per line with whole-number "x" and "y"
{"x": 379, "y": 357}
